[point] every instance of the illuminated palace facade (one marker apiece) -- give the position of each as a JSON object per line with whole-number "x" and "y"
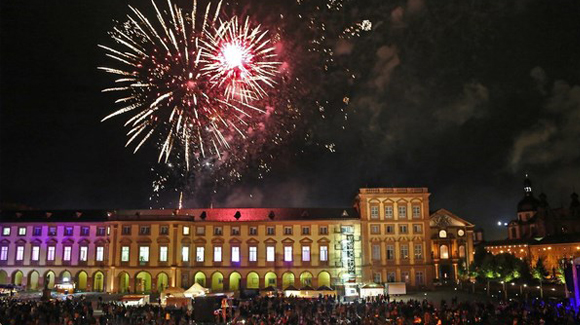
{"x": 389, "y": 236}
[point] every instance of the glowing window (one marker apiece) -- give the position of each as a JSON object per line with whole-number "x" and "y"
{"x": 442, "y": 233}
{"x": 444, "y": 252}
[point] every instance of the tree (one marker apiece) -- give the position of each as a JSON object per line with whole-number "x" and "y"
{"x": 508, "y": 268}
{"x": 488, "y": 270}
{"x": 540, "y": 273}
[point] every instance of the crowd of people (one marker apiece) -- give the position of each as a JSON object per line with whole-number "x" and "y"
{"x": 279, "y": 310}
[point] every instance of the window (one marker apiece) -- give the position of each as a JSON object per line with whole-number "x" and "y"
{"x": 419, "y": 278}
{"x": 305, "y": 230}
{"x": 37, "y": 231}
{"x": 306, "y": 253}
{"x": 416, "y": 212}
{"x": 217, "y": 231}
{"x": 376, "y": 252}
{"x": 417, "y": 229}
{"x": 68, "y": 231}
{"x": 100, "y": 231}
{"x": 405, "y": 276}
{"x": 376, "y": 277}
{"x": 162, "y": 253}
{"x": 374, "y": 211}
{"x": 391, "y": 277}
{"x": 185, "y": 231}
{"x": 324, "y": 253}
{"x": 125, "y": 254}
{"x": 390, "y": 229}
{"x": 402, "y": 212}
{"x": 287, "y": 230}
{"x": 4, "y": 253}
{"x": 52, "y": 231}
{"x": 460, "y": 233}
{"x": 235, "y": 231}
{"x": 375, "y": 229}
{"x": 444, "y": 252}
{"x": 185, "y": 254}
{"x": 405, "y": 251}
{"x": 85, "y": 231}
{"x": 83, "y": 253}
{"x": 108, "y": 230}
{"x": 200, "y": 254}
{"x": 143, "y": 254}
{"x": 389, "y": 212}
{"x": 50, "y": 253}
{"x": 164, "y": 230}
{"x": 270, "y": 231}
{"x": 253, "y": 231}
{"x": 126, "y": 230}
{"x": 145, "y": 230}
{"x": 200, "y": 231}
{"x": 390, "y": 252}
{"x": 270, "y": 254}
{"x": 287, "y": 253}
{"x": 418, "y": 251}
{"x": 235, "y": 254}
{"x": 67, "y": 253}
{"x": 403, "y": 229}
{"x": 100, "y": 256}
{"x": 462, "y": 251}
{"x": 253, "y": 256}
{"x": 6, "y": 231}
{"x": 442, "y": 233}
{"x": 324, "y": 230}
{"x": 21, "y": 231}
{"x": 217, "y": 254}
{"x": 35, "y": 253}
{"x": 19, "y": 253}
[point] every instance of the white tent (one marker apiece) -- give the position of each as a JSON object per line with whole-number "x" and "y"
{"x": 195, "y": 290}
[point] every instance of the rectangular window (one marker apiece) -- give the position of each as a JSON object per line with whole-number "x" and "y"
{"x": 200, "y": 231}
{"x": 270, "y": 231}
{"x": 375, "y": 229}
{"x": 416, "y": 212}
{"x": 403, "y": 229}
{"x": 418, "y": 251}
{"x": 52, "y": 231}
{"x": 374, "y": 211}
{"x": 324, "y": 253}
{"x": 253, "y": 256}
{"x": 50, "y": 253}
{"x": 390, "y": 252}
{"x": 164, "y": 230}
{"x": 287, "y": 230}
{"x": 143, "y": 254}
{"x": 235, "y": 231}
{"x": 235, "y": 254}
{"x": 253, "y": 231}
{"x": 4, "y": 253}
{"x": 162, "y": 253}
{"x": 100, "y": 231}
{"x": 185, "y": 253}
{"x": 306, "y": 231}
{"x": 185, "y": 231}
{"x": 85, "y": 231}
{"x": 83, "y": 253}
{"x": 100, "y": 256}
{"x": 68, "y": 231}
{"x": 35, "y": 253}
{"x": 126, "y": 230}
{"x": 405, "y": 252}
{"x": 19, "y": 253}
{"x": 306, "y": 253}
{"x": 391, "y": 277}
{"x": 6, "y": 231}
{"x": 67, "y": 253}
{"x": 417, "y": 229}
{"x": 217, "y": 231}
{"x": 270, "y": 254}
{"x": 108, "y": 230}
{"x": 200, "y": 254}
{"x": 125, "y": 254}
{"x": 405, "y": 276}
{"x": 402, "y": 212}
{"x": 287, "y": 253}
{"x": 419, "y": 278}
{"x": 323, "y": 230}
{"x": 217, "y": 254}
{"x": 145, "y": 230}
{"x": 377, "y": 277}
{"x": 390, "y": 229}
{"x": 389, "y": 212}
{"x": 376, "y": 252}
{"x": 21, "y": 231}
{"x": 37, "y": 231}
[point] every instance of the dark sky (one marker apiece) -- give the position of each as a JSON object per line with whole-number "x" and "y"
{"x": 463, "y": 97}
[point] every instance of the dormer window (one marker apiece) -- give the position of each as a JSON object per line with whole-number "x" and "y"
{"x": 442, "y": 233}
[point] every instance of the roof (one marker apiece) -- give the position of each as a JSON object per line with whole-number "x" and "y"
{"x": 210, "y": 215}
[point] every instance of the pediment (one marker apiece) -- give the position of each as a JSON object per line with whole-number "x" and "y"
{"x": 288, "y": 240}
{"x": 51, "y": 241}
{"x": 68, "y": 241}
{"x": 252, "y": 241}
{"x": 200, "y": 240}
{"x": 186, "y": 240}
{"x": 163, "y": 240}
{"x": 84, "y": 242}
{"x": 144, "y": 240}
{"x": 270, "y": 241}
{"x": 4, "y": 241}
{"x": 443, "y": 218}
{"x": 217, "y": 241}
{"x": 390, "y": 239}
{"x": 323, "y": 240}
{"x": 125, "y": 241}
{"x": 101, "y": 241}
{"x": 235, "y": 241}
{"x": 375, "y": 239}
{"x": 306, "y": 241}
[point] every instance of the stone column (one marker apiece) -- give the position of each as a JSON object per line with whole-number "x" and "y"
{"x": 436, "y": 270}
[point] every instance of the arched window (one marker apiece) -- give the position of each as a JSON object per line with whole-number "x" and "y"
{"x": 442, "y": 233}
{"x": 444, "y": 252}
{"x": 461, "y": 251}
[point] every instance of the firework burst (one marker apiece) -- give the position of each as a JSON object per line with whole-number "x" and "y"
{"x": 190, "y": 80}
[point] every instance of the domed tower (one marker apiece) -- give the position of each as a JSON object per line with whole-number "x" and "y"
{"x": 528, "y": 206}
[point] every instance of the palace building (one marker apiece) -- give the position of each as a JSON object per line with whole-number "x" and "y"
{"x": 388, "y": 236}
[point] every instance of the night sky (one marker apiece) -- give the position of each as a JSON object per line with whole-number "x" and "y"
{"x": 463, "y": 97}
